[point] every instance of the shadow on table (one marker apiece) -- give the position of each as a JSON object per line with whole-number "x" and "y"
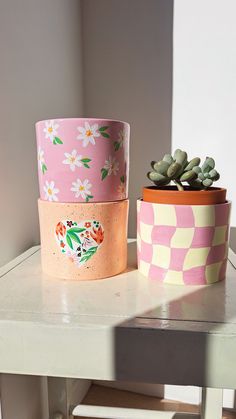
{"x": 171, "y": 343}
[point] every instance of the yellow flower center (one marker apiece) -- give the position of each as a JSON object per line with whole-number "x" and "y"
{"x": 49, "y": 191}
{"x": 81, "y": 188}
{"x": 72, "y": 159}
{"x": 89, "y": 133}
{"x": 50, "y": 129}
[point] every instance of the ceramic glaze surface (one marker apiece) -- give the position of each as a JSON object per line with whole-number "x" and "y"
{"x": 83, "y": 160}
{"x": 183, "y": 244}
{"x": 83, "y": 241}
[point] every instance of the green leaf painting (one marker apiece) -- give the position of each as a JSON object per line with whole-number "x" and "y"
{"x": 44, "y": 168}
{"x": 57, "y": 140}
{"x": 103, "y": 133}
{"x": 85, "y": 162}
{"x": 69, "y": 241}
{"x": 104, "y": 173}
{"x": 88, "y": 197}
{"x": 76, "y": 230}
{"x": 103, "y": 128}
{"x": 116, "y": 145}
{"x": 88, "y": 254}
{"x": 74, "y": 237}
{"x": 79, "y": 241}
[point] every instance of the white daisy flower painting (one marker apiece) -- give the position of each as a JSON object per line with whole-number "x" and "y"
{"x": 122, "y": 188}
{"x": 50, "y": 191}
{"x": 76, "y": 160}
{"x": 120, "y": 142}
{"x": 89, "y": 133}
{"x": 51, "y": 132}
{"x": 82, "y": 189}
{"x": 111, "y": 167}
{"x": 41, "y": 160}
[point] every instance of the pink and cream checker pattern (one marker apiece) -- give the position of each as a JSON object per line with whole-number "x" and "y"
{"x": 183, "y": 244}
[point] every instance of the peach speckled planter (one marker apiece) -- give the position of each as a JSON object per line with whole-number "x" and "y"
{"x": 83, "y": 159}
{"x": 82, "y": 241}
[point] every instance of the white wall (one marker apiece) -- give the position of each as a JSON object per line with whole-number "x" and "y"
{"x": 40, "y": 77}
{"x": 204, "y": 97}
{"x": 128, "y": 75}
{"x": 204, "y": 84}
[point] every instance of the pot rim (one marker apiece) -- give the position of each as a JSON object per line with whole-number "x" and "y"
{"x": 227, "y": 202}
{"x": 82, "y": 119}
{"x": 97, "y": 203}
{"x": 171, "y": 195}
{"x": 173, "y": 189}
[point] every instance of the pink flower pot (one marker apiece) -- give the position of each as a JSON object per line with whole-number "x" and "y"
{"x": 183, "y": 244}
{"x": 83, "y": 241}
{"x": 83, "y": 159}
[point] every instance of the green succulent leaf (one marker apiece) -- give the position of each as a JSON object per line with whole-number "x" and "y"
{"x": 187, "y": 176}
{"x": 214, "y": 175}
{"x": 194, "y": 162}
{"x": 161, "y": 167}
{"x": 174, "y": 170}
{"x": 179, "y": 170}
{"x": 208, "y": 164}
{"x": 197, "y": 169}
{"x": 168, "y": 158}
{"x": 156, "y": 177}
{"x": 207, "y": 183}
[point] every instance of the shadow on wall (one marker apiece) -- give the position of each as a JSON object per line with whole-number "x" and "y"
{"x": 128, "y": 76}
{"x": 232, "y": 241}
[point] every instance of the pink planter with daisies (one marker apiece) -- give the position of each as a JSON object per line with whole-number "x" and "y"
{"x": 83, "y": 160}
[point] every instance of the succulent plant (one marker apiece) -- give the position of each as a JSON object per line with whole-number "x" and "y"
{"x": 178, "y": 169}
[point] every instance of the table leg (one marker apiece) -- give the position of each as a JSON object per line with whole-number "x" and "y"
{"x": 212, "y": 403}
{"x": 63, "y": 394}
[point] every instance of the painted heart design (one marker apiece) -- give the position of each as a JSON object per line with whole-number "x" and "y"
{"x": 79, "y": 241}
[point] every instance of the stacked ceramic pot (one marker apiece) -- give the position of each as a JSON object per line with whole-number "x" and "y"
{"x": 183, "y": 235}
{"x": 83, "y": 167}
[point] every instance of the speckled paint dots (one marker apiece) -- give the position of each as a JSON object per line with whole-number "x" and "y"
{"x": 83, "y": 241}
{"x": 83, "y": 167}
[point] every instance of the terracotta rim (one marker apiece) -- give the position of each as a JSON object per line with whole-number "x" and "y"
{"x": 170, "y": 195}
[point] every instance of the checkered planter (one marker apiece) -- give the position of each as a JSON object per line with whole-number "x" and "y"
{"x": 183, "y": 244}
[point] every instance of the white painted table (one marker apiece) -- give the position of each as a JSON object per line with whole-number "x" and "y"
{"x": 121, "y": 328}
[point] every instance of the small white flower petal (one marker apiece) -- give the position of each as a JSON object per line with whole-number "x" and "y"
{"x": 87, "y": 126}
{"x": 92, "y": 140}
{"x": 94, "y": 127}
